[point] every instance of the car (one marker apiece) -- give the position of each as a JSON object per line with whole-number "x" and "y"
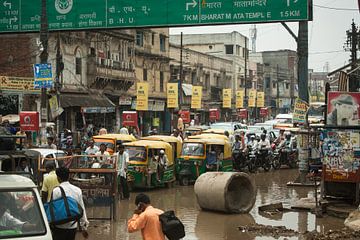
{"x": 21, "y": 202}
{"x": 231, "y": 127}
{"x": 47, "y": 153}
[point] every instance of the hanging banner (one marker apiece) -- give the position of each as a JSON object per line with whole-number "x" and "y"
{"x": 252, "y": 98}
{"x": 172, "y": 95}
{"x": 227, "y": 98}
{"x": 142, "y": 94}
{"x": 343, "y": 109}
{"x": 240, "y": 98}
{"x": 260, "y": 99}
{"x": 54, "y": 107}
{"x": 300, "y": 110}
{"x": 196, "y": 97}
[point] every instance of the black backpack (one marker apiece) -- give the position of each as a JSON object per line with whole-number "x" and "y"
{"x": 172, "y": 227}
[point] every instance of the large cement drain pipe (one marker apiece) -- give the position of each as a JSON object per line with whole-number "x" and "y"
{"x": 230, "y": 192}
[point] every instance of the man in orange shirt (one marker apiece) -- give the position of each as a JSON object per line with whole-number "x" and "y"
{"x": 146, "y": 219}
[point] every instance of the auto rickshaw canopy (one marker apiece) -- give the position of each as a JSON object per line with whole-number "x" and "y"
{"x": 210, "y": 135}
{"x": 150, "y": 144}
{"x": 119, "y": 137}
{"x": 215, "y": 131}
{"x": 168, "y": 139}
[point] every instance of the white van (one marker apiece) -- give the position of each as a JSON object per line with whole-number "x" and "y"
{"x": 22, "y": 215}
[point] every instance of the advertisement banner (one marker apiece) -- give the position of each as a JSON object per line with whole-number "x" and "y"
{"x": 343, "y": 109}
{"x": 185, "y": 116}
{"x": 240, "y": 98}
{"x": 252, "y": 98}
{"x": 243, "y": 113}
{"x": 214, "y": 114}
{"x": 300, "y": 110}
{"x": 260, "y": 99}
{"x": 142, "y": 94}
{"x": 341, "y": 151}
{"x": 227, "y": 98}
{"x": 172, "y": 95}
{"x": 130, "y": 118}
{"x": 54, "y": 107}
{"x": 29, "y": 121}
{"x": 196, "y": 97}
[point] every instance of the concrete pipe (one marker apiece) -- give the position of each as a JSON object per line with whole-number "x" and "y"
{"x": 230, "y": 192}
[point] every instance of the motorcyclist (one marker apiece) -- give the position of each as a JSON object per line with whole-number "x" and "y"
{"x": 252, "y": 142}
{"x": 264, "y": 143}
{"x": 237, "y": 151}
{"x": 281, "y": 137}
{"x": 286, "y": 147}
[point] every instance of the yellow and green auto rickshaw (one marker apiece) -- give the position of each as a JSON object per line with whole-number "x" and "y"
{"x": 202, "y": 155}
{"x": 144, "y": 170}
{"x": 173, "y": 141}
{"x": 112, "y": 140}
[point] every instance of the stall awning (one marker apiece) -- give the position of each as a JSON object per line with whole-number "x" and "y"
{"x": 84, "y": 100}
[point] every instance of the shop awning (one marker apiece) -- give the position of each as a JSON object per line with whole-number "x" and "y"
{"x": 84, "y": 100}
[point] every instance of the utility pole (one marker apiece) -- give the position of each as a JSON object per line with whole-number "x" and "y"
{"x": 59, "y": 69}
{"x": 277, "y": 90}
{"x": 181, "y": 70}
{"x": 353, "y": 43}
{"x": 43, "y": 59}
{"x": 246, "y": 102}
{"x": 303, "y": 53}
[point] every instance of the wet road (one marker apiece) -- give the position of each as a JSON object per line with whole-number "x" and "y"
{"x": 201, "y": 225}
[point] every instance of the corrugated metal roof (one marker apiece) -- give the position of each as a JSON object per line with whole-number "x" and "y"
{"x": 84, "y": 100}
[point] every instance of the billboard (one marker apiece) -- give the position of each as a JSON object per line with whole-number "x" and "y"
{"x": 343, "y": 109}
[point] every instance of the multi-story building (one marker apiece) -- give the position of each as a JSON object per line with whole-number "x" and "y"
{"x": 232, "y": 46}
{"x": 212, "y": 73}
{"x": 317, "y": 81}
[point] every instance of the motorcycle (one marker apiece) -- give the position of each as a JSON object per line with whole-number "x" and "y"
{"x": 284, "y": 156}
{"x": 239, "y": 160}
{"x": 263, "y": 159}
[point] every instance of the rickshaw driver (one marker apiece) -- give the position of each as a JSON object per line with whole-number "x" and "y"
{"x": 162, "y": 163}
{"x": 153, "y": 165}
{"x": 211, "y": 159}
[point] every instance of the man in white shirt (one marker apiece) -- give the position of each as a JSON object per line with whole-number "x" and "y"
{"x": 162, "y": 163}
{"x": 124, "y": 130}
{"x": 103, "y": 156}
{"x": 122, "y": 163}
{"x": 68, "y": 230}
{"x": 92, "y": 149}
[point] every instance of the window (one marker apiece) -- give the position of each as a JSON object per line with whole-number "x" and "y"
{"x": 287, "y": 85}
{"x": 161, "y": 81}
{"x": 274, "y": 84}
{"x": 238, "y": 50}
{"x": 139, "y": 38}
{"x": 145, "y": 74}
{"x": 229, "y": 49}
{"x": 153, "y": 39}
{"x": 267, "y": 82}
{"x": 78, "y": 62}
{"x": 162, "y": 43}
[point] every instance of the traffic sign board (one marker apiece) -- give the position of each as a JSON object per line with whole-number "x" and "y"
{"x": 42, "y": 75}
{"x": 25, "y": 15}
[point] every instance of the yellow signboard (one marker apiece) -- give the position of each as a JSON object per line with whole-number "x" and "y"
{"x": 240, "y": 98}
{"x": 196, "y": 97}
{"x": 260, "y": 100}
{"x": 172, "y": 95}
{"x": 18, "y": 84}
{"x": 252, "y": 98}
{"x": 227, "y": 98}
{"x": 142, "y": 94}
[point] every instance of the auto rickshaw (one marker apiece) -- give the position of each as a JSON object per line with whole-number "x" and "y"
{"x": 210, "y": 135}
{"x": 112, "y": 140}
{"x": 143, "y": 170}
{"x": 173, "y": 141}
{"x": 202, "y": 155}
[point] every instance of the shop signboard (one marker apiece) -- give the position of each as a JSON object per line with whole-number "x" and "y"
{"x": 252, "y": 98}
{"x": 98, "y": 109}
{"x": 130, "y": 118}
{"x": 18, "y": 85}
{"x": 264, "y": 112}
{"x": 196, "y": 97}
{"x": 214, "y": 114}
{"x": 142, "y": 93}
{"x": 260, "y": 99}
{"x": 125, "y": 101}
{"x": 29, "y": 121}
{"x": 227, "y": 98}
{"x": 243, "y": 113}
{"x": 43, "y": 75}
{"x": 185, "y": 116}
{"x": 300, "y": 111}
{"x": 341, "y": 151}
{"x": 343, "y": 109}
{"x": 172, "y": 95}
{"x": 240, "y": 98}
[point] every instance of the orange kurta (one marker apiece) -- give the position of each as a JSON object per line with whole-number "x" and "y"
{"x": 149, "y": 224}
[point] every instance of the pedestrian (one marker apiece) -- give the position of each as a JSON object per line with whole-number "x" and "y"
{"x": 162, "y": 162}
{"x": 122, "y": 163}
{"x": 91, "y": 149}
{"x": 146, "y": 219}
{"x": 102, "y": 131}
{"x": 68, "y": 230}
{"x": 50, "y": 143}
{"x": 50, "y": 181}
{"x": 103, "y": 156}
{"x": 124, "y": 130}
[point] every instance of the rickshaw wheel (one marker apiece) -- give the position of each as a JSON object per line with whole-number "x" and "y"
{"x": 184, "y": 181}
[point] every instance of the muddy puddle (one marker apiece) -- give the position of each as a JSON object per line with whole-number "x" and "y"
{"x": 201, "y": 225}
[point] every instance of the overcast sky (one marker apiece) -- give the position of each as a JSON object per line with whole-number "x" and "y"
{"x": 327, "y": 33}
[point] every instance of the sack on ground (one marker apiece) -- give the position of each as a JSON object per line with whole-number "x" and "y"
{"x": 63, "y": 210}
{"x": 172, "y": 227}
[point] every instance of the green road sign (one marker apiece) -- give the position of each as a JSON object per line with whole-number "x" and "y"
{"x": 25, "y": 15}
